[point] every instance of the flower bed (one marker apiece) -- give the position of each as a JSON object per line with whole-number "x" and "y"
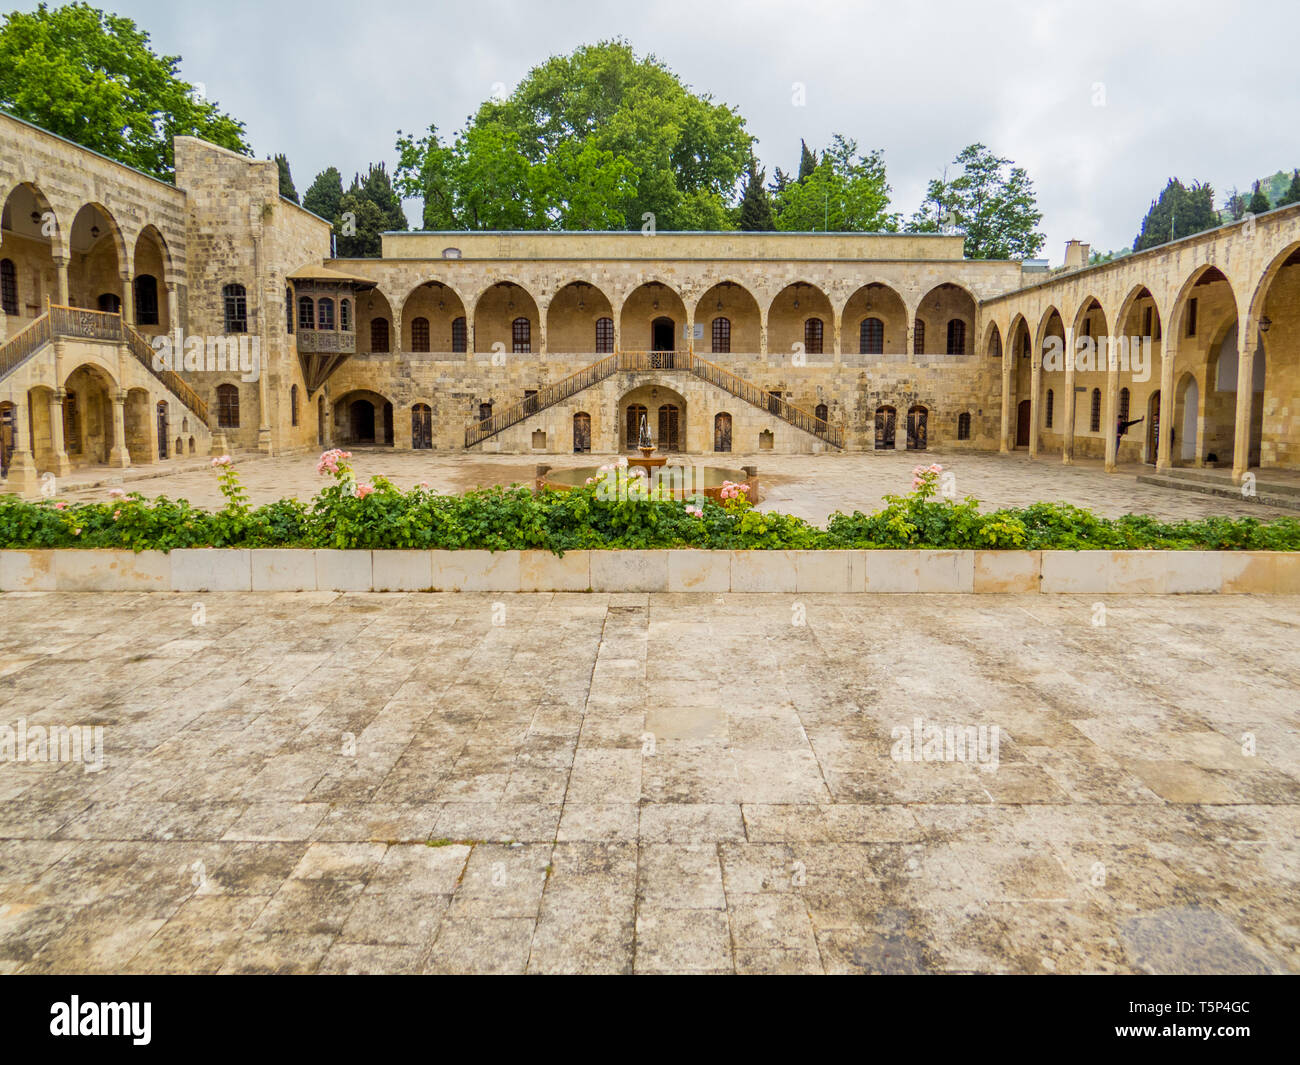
{"x": 606, "y": 515}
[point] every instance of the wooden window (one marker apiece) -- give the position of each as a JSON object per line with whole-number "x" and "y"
{"x": 956, "y": 337}
{"x": 8, "y": 286}
{"x": 110, "y": 303}
{"x": 379, "y": 334}
{"x": 485, "y": 410}
{"x": 822, "y": 412}
{"x": 886, "y": 423}
{"x": 1094, "y": 417}
{"x": 345, "y": 315}
{"x": 146, "y": 300}
{"x": 604, "y": 340}
{"x": 1123, "y": 404}
{"x": 288, "y": 310}
{"x": 918, "y": 337}
{"x": 995, "y": 344}
{"x": 235, "y": 300}
{"x": 459, "y": 335}
{"x": 721, "y": 336}
{"x": 325, "y": 313}
{"x": 420, "y": 334}
{"x": 306, "y": 313}
{"x": 871, "y": 337}
{"x": 521, "y": 336}
{"x": 812, "y": 336}
{"x": 1047, "y": 416}
{"x": 227, "y": 407}
{"x": 293, "y": 405}
{"x": 722, "y": 431}
{"x": 963, "y": 425}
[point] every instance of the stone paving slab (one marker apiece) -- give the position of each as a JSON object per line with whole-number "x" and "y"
{"x": 324, "y": 782}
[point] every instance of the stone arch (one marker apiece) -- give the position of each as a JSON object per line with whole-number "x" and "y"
{"x": 362, "y": 417}
{"x": 25, "y": 215}
{"x": 947, "y": 302}
{"x": 1273, "y": 313}
{"x": 497, "y": 309}
{"x": 572, "y": 315}
{"x": 439, "y": 304}
{"x": 98, "y": 258}
{"x": 151, "y": 258}
{"x": 731, "y": 300}
{"x": 373, "y": 306}
{"x": 653, "y": 301}
{"x": 881, "y": 301}
{"x": 88, "y": 429}
{"x": 788, "y": 316}
{"x": 651, "y": 398}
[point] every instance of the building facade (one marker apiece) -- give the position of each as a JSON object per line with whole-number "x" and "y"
{"x": 141, "y": 322}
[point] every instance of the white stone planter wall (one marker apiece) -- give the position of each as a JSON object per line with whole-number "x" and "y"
{"x": 786, "y": 572}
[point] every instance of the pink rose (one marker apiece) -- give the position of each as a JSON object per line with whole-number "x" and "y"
{"x": 364, "y": 490}
{"x": 60, "y": 505}
{"x": 116, "y": 493}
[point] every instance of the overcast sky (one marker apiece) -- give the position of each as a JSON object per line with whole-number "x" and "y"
{"x": 1101, "y": 102}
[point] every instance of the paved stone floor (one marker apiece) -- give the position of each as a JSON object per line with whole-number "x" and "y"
{"x": 555, "y": 783}
{"x": 811, "y": 486}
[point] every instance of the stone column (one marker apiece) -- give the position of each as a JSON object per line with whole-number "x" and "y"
{"x": 61, "y": 280}
{"x": 1245, "y": 402}
{"x": 128, "y": 299}
{"x": 61, "y": 466}
{"x": 1004, "y": 437}
{"x": 1168, "y": 356}
{"x": 1110, "y": 420}
{"x": 22, "y": 479}
{"x": 911, "y": 338}
{"x": 1035, "y": 399}
{"x": 541, "y": 330}
{"x": 119, "y": 456}
{"x": 838, "y": 350}
{"x": 1071, "y": 405}
{"x": 690, "y": 331}
{"x": 173, "y": 308}
{"x": 762, "y": 333}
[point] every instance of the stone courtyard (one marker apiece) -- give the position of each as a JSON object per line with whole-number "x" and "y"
{"x": 651, "y": 783}
{"x": 810, "y": 486}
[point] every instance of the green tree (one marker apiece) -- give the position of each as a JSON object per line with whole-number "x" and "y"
{"x": 846, "y": 192}
{"x": 367, "y": 210}
{"x": 92, "y": 77}
{"x": 1178, "y": 212}
{"x": 1292, "y": 194}
{"x": 324, "y": 196}
{"x": 286, "y": 179}
{"x": 755, "y": 203}
{"x": 807, "y": 162}
{"x": 645, "y": 143}
{"x": 1259, "y": 201}
{"x": 1234, "y": 205}
{"x": 991, "y": 199}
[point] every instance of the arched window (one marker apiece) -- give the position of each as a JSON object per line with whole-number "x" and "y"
{"x": 721, "y": 336}
{"x": 1047, "y": 414}
{"x": 722, "y": 431}
{"x": 379, "y": 334}
{"x": 604, "y": 338}
{"x": 822, "y": 412}
{"x": 1123, "y": 404}
{"x": 8, "y": 286}
{"x": 812, "y": 336}
{"x": 459, "y": 335}
{"x": 146, "y": 300}
{"x": 420, "y": 334}
{"x": 521, "y": 335}
{"x": 227, "y": 407}
{"x": 110, "y": 303}
{"x": 288, "y": 310}
{"x": 293, "y": 405}
{"x": 995, "y": 344}
{"x": 235, "y": 300}
{"x": 956, "y": 337}
{"x": 918, "y": 337}
{"x": 325, "y": 313}
{"x": 1094, "y": 417}
{"x": 485, "y": 411}
{"x": 871, "y": 337}
{"x": 963, "y": 425}
{"x": 306, "y": 313}
{"x": 345, "y": 315}
{"x": 581, "y": 432}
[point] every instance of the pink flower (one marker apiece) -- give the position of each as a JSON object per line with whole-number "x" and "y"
{"x": 116, "y": 514}
{"x": 695, "y": 512}
{"x": 424, "y": 484}
{"x": 116, "y": 493}
{"x": 936, "y": 468}
{"x": 60, "y": 505}
{"x": 364, "y": 490}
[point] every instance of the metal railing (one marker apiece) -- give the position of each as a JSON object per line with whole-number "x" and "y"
{"x": 81, "y": 323}
{"x": 642, "y": 361}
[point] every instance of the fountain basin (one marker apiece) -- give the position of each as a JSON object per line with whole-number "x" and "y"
{"x": 681, "y": 480}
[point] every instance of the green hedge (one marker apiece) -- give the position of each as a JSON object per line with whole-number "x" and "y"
{"x": 499, "y": 519}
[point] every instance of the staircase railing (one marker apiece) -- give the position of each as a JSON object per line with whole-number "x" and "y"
{"x": 82, "y": 323}
{"x": 641, "y": 361}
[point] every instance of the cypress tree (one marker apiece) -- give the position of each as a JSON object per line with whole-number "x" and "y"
{"x": 755, "y": 204}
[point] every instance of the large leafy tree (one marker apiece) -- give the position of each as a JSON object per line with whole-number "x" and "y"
{"x": 368, "y": 209}
{"x": 1179, "y": 211}
{"x": 325, "y": 194}
{"x": 991, "y": 199}
{"x": 845, "y": 191}
{"x": 1292, "y": 194}
{"x": 598, "y": 138}
{"x": 92, "y": 77}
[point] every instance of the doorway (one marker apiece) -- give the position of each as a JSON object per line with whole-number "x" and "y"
{"x": 1153, "y": 427}
{"x": 1023, "y": 418}
{"x": 918, "y": 419}
{"x": 635, "y": 412}
{"x": 581, "y": 433}
{"x": 361, "y": 417}
{"x": 668, "y": 426}
{"x": 162, "y": 430}
{"x": 421, "y": 427}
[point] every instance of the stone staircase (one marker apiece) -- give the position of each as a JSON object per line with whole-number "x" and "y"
{"x": 79, "y": 323}
{"x": 644, "y": 361}
{"x": 1272, "y": 488}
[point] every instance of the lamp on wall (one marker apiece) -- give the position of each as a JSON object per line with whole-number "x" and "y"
{"x": 1264, "y": 322}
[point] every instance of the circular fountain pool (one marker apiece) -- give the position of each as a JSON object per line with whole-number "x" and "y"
{"x": 679, "y": 480}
